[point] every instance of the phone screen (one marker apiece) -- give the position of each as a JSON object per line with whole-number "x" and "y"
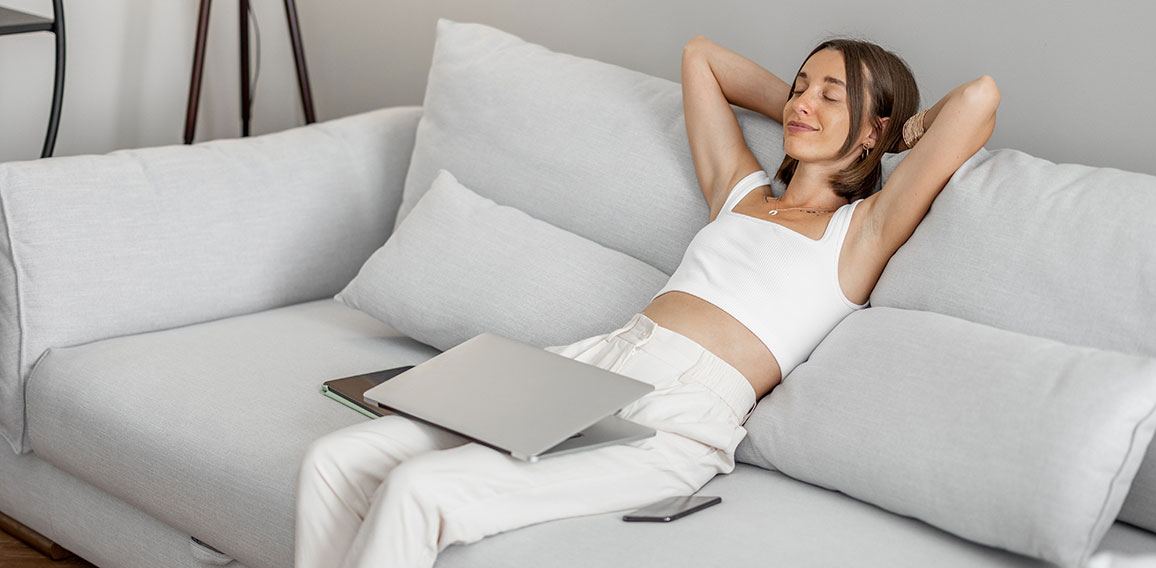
{"x": 671, "y": 508}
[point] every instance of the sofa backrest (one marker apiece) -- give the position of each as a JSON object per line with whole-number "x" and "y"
{"x": 94, "y": 247}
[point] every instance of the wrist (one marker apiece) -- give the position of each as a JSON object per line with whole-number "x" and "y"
{"x": 913, "y": 129}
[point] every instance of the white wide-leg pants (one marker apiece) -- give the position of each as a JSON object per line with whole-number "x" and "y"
{"x": 390, "y": 492}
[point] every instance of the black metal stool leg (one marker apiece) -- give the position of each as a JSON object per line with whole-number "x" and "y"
{"x": 299, "y": 57}
{"x": 198, "y": 69}
{"x": 246, "y": 95}
{"x": 58, "y": 84}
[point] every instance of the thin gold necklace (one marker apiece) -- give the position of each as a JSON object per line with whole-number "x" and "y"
{"x": 776, "y": 210}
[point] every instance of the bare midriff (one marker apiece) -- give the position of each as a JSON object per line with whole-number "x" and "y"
{"x": 720, "y": 333}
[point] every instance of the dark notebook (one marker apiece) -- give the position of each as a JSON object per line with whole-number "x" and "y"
{"x": 350, "y": 391}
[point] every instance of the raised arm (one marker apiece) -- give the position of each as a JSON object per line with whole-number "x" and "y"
{"x": 956, "y": 128}
{"x": 713, "y": 78}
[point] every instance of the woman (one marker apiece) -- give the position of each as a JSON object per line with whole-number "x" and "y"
{"x": 391, "y": 492}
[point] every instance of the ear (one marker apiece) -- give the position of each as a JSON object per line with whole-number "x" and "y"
{"x": 880, "y": 126}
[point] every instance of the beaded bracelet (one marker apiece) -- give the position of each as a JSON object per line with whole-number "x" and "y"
{"x": 913, "y": 129}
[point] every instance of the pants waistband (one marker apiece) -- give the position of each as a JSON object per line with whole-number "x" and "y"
{"x": 701, "y": 365}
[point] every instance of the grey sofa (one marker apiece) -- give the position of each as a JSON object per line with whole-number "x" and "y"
{"x": 168, "y": 316}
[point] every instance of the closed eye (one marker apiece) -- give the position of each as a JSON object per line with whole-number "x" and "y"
{"x": 797, "y": 93}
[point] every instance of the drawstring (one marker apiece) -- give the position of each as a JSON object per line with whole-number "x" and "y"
{"x": 625, "y": 355}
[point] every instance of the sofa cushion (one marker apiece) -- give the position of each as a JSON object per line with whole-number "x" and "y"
{"x": 587, "y": 146}
{"x": 765, "y": 519}
{"x": 460, "y": 264}
{"x": 1007, "y": 439}
{"x": 1062, "y": 251}
{"x": 93, "y": 247}
{"x": 203, "y": 427}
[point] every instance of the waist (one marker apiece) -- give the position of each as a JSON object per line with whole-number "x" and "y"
{"x": 700, "y": 364}
{"x": 716, "y": 331}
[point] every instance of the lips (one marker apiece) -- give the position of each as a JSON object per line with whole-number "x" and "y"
{"x": 799, "y": 127}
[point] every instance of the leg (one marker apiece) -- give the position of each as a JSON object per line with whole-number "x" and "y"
{"x": 198, "y": 69}
{"x": 299, "y": 58}
{"x": 342, "y": 471}
{"x": 466, "y": 493}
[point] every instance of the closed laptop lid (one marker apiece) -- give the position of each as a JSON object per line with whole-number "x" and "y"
{"x": 506, "y": 394}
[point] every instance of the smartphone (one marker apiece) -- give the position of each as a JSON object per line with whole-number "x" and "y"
{"x": 671, "y": 508}
{"x": 350, "y": 391}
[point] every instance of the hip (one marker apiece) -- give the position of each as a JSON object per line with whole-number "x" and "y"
{"x": 696, "y": 394}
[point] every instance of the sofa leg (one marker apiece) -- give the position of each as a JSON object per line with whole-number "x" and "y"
{"x": 32, "y": 538}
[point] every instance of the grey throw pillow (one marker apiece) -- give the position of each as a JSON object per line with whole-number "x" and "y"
{"x": 460, "y": 264}
{"x": 1063, "y": 251}
{"x": 1009, "y": 440}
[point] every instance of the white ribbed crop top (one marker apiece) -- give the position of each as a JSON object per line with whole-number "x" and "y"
{"x": 780, "y": 284}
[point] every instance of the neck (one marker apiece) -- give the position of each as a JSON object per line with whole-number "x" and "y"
{"x": 811, "y": 187}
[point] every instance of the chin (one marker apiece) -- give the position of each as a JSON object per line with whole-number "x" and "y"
{"x": 800, "y": 154}
{"x": 806, "y": 152}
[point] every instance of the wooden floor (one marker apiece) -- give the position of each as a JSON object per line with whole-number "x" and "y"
{"x": 14, "y": 554}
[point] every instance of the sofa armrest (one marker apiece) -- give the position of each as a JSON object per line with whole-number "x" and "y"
{"x": 93, "y": 247}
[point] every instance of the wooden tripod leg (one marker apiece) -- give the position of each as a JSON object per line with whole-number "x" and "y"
{"x": 246, "y": 96}
{"x": 32, "y": 538}
{"x": 299, "y": 57}
{"x": 198, "y": 70}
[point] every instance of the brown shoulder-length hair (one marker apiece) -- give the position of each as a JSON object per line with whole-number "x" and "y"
{"x": 889, "y": 88}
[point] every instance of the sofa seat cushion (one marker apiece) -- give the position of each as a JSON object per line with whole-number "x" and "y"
{"x": 765, "y": 519}
{"x": 203, "y": 427}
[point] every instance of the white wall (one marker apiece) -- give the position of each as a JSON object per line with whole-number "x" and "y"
{"x": 1077, "y": 77}
{"x": 127, "y": 76}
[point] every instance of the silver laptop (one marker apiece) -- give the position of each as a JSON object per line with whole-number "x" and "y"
{"x": 516, "y": 398}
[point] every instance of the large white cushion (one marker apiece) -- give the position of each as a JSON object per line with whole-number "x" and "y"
{"x": 461, "y": 264}
{"x": 1010, "y": 440}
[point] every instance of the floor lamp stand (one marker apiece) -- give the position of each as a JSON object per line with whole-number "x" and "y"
{"x": 199, "y": 66}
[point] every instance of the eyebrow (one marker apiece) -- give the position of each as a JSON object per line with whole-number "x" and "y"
{"x": 826, "y": 79}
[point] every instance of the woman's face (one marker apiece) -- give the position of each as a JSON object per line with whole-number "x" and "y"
{"x": 817, "y": 118}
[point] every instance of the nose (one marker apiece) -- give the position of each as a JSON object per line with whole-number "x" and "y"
{"x": 802, "y": 103}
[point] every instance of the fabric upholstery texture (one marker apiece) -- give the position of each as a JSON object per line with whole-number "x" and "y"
{"x": 1007, "y": 439}
{"x": 765, "y": 519}
{"x": 460, "y": 264}
{"x": 203, "y": 426}
{"x": 1063, "y": 251}
{"x": 593, "y": 148}
{"x": 102, "y": 410}
{"x": 185, "y": 462}
{"x": 138, "y": 240}
{"x": 88, "y": 522}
